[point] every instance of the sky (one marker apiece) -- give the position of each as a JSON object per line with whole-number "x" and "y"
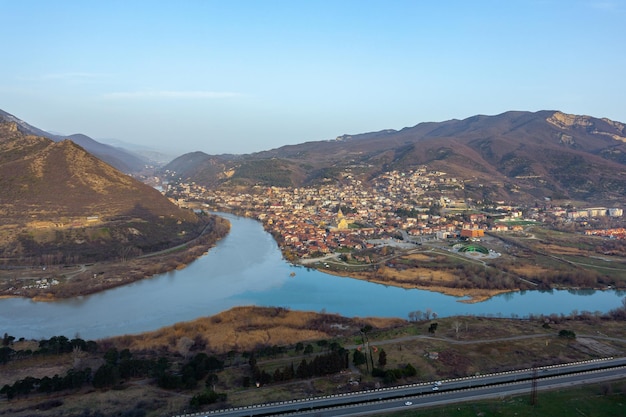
{"x": 245, "y": 76}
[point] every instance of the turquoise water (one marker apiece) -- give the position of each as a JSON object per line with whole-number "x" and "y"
{"x": 246, "y": 268}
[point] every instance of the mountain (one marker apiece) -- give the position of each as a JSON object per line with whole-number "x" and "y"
{"x": 119, "y": 158}
{"x": 23, "y": 126}
{"x": 60, "y": 201}
{"x": 514, "y": 156}
{"x": 158, "y": 157}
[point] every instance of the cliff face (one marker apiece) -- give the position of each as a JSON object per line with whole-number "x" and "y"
{"x": 565, "y": 121}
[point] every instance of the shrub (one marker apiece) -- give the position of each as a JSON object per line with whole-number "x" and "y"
{"x": 567, "y": 334}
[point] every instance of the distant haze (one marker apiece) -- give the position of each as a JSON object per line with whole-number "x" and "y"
{"x": 245, "y": 76}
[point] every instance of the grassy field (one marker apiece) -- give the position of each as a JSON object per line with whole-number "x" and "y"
{"x": 605, "y": 400}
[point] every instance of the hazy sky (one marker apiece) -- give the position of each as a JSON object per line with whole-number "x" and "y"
{"x": 234, "y": 76}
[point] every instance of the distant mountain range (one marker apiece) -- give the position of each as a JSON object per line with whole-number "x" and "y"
{"x": 514, "y": 156}
{"x": 119, "y": 158}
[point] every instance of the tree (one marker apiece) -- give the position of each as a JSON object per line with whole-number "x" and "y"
{"x": 206, "y": 397}
{"x": 382, "y": 358}
{"x": 364, "y": 338}
{"x": 366, "y": 329}
{"x": 112, "y": 356}
{"x": 106, "y": 376}
{"x": 5, "y": 354}
{"x": 303, "y": 371}
{"x": 358, "y": 358}
{"x": 8, "y": 390}
{"x": 457, "y": 326}
{"x": 7, "y": 340}
{"x": 390, "y": 377}
{"x": 211, "y": 380}
{"x": 416, "y": 315}
{"x": 184, "y": 345}
{"x": 409, "y": 370}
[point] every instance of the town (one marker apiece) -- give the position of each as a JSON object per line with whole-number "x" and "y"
{"x": 414, "y": 206}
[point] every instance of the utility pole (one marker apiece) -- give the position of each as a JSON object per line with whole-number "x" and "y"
{"x": 366, "y": 347}
{"x": 533, "y": 390}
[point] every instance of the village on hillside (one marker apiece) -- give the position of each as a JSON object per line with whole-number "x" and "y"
{"x": 411, "y": 206}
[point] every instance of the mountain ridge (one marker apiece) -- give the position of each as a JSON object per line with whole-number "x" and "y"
{"x": 121, "y": 159}
{"x": 516, "y": 155}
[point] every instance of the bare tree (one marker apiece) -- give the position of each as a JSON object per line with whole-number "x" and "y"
{"x": 77, "y": 357}
{"x": 457, "y": 326}
{"x": 415, "y": 315}
{"x": 183, "y": 346}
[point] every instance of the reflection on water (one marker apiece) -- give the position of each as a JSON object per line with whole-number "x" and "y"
{"x": 508, "y": 296}
{"x": 246, "y": 268}
{"x": 581, "y": 292}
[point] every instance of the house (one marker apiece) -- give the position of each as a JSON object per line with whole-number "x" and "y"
{"x": 472, "y": 233}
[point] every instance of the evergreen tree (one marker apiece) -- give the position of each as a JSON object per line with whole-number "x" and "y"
{"x": 382, "y": 358}
{"x": 358, "y": 358}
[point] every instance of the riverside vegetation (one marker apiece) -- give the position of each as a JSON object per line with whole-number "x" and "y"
{"x": 110, "y": 268}
{"x": 251, "y": 355}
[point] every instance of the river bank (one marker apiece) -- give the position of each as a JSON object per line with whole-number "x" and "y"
{"x": 61, "y": 282}
{"x": 467, "y": 295}
{"x": 282, "y": 339}
{"x": 51, "y": 283}
{"x": 247, "y": 268}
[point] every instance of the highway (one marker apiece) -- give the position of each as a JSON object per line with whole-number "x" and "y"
{"x": 444, "y": 392}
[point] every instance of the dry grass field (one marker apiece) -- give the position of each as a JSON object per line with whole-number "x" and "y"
{"x": 426, "y": 279}
{"x": 460, "y": 346}
{"x": 529, "y": 270}
{"x": 245, "y": 328}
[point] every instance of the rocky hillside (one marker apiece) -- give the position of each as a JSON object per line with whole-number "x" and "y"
{"x": 60, "y": 202}
{"x": 119, "y": 158}
{"x": 516, "y": 156}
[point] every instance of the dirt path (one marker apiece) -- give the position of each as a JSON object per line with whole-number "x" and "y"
{"x": 479, "y": 341}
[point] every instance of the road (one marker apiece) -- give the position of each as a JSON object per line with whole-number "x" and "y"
{"x": 449, "y": 392}
{"x": 470, "y": 394}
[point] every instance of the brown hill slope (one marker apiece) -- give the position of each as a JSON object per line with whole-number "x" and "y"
{"x": 59, "y": 201}
{"x": 519, "y": 156}
{"x": 119, "y": 158}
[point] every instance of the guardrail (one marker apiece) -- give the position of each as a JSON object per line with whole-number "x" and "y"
{"x": 387, "y": 390}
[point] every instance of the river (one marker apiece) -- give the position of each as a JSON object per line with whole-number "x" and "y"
{"x": 246, "y": 268}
